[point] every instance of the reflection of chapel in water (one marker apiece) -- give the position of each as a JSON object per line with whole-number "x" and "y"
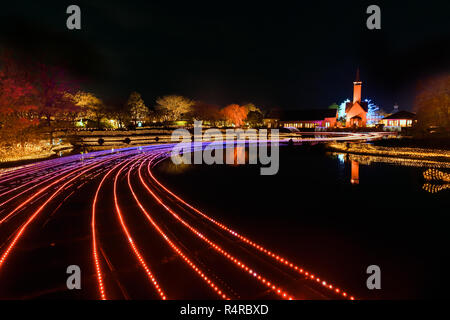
{"x": 354, "y": 172}
{"x": 354, "y": 168}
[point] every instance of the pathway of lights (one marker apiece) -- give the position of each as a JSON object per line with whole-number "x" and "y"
{"x": 280, "y": 259}
{"x": 201, "y": 273}
{"x": 131, "y": 241}
{"x": 86, "y": 167}
{"x": 177, "y": 250}
{"x": 280, "y": 291}
{"x": 34, "y": 183}
{"x": 98, "y": 269}
{"x": 65, "y": 174}
{"x": 23, "y": 228}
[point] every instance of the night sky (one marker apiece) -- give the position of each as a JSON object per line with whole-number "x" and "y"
{"x": 290, "y": 55}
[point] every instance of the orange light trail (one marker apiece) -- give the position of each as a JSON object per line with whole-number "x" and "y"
{"x": 97, "y": 264}
{"x": 131, "y": 241}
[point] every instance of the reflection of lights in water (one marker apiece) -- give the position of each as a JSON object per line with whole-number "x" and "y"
{"x": 431, "y": 174}
{"x": 355, "y": 173}
{"x": 369, "y": 159}
{"x": 387, "y": 151}
{"x": 171, "y": 168}
{"x": 434, "y": 174}
{"x": 434, "y": 188}
{"x": 239, "y": 155}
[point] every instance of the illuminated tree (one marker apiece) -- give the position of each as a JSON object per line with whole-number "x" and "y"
{"x": 138, "y": 109}
{"x": 17, "y": 93}
{"x": 118, "y": 111}
{"x": 341, "y": 112}
{"x": 235, "y": 114}
{"x": 374, "y": 114}
{"x": 432, "y": 103}
{"x": 251, "y": 107}
{"x": 152, "y": 116}
{"x": 122, "y": 117}
{"x": 91, "y": 107}
{"x": 254, "y": 114}
{"x": 255, "y": 118}
{"x": 18, "y": 118}
{"x": 341, "y": 108}
{"x": 26, "y": 83}
{"x": 173, "y": 107}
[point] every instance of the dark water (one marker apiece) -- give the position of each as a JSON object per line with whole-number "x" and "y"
{"x": 314, "y": 212}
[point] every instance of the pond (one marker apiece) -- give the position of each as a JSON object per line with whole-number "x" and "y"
{"x": 336, "y": 214}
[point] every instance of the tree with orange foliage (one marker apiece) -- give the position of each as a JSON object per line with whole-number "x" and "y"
{"x": 29, "y": 93}
{"x": 235, "y": 114}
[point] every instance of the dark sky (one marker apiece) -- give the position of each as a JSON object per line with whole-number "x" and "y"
{"x": 293, "y": 54}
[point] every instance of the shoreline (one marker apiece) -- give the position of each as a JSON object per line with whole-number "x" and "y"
{"x": 410, "y": 153}
{"x": 356, "y": 148}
